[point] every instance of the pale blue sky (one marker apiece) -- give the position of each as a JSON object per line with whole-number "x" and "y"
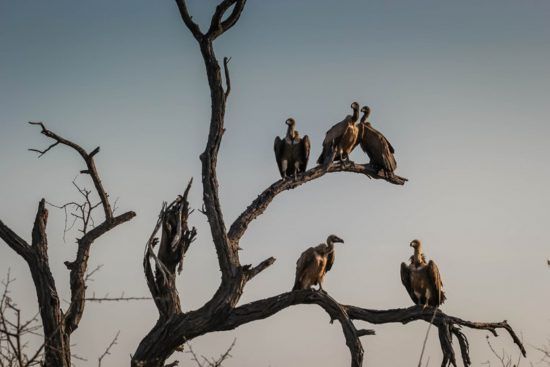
{"x": 460, "y": 88}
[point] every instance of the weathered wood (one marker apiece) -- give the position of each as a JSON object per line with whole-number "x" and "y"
{"x": 58, "y": 325}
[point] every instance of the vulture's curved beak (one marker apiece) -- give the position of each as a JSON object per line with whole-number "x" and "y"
{"x": 338, "y": 239}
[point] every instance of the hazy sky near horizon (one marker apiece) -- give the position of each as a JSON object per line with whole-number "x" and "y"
{"x": 460, "y": 88}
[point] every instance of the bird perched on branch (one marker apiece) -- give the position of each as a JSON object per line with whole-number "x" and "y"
{"x": 314, "y": 263}
{"x": 377, "y": 147}
{"x": 292, "y": 152}
{"x": 422, "y": 279}
{"x": 340, "y": 139}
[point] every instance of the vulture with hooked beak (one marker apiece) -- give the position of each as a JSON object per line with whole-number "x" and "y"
{"x": 377, "y": 147}
{"x": 314, "y": 263}
{"x": 422, "y": 279}
{"x": 340, "y": 139}
{"x": 292, "y": 152}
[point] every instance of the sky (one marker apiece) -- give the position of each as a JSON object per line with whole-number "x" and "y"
{"x": 460, "y": 88}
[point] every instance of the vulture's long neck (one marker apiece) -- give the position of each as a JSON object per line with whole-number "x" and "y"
{"x": 365, "y": 117}
{"x": 330, "y": 245}
{"x": 290, "y": 132}
{"x": 418, "y": 257}
{"x": 355, "y": 115}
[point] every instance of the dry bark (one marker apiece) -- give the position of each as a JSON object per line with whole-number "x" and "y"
{"x": 174, "y": 327}
{"x": 58, "y": 325}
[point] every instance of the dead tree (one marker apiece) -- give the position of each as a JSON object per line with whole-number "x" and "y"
{"x": 174, "y": 327}
{"x": 59, "y": 324}
{"x": 15, "y": 332}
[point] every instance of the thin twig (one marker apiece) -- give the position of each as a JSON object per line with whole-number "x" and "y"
{"x": 108, "y": 349}
{"x": 426, "y": 337}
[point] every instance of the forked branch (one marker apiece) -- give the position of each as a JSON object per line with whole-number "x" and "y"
{"x": 59, "y": 325}
{"x": 88, "y": 159}
{"x": 176, "y": 237}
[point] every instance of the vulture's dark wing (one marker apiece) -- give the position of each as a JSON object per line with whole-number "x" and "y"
{"x": 435, "y": 283}
{"x": 336, "y": 131}
{"x": 304, "y": 261}
{"x": 378, "y": 149}
{"x": 305, "y": 147}
{"x": 392, "y": 150}
{"x": 406, "y": 280}
{"x": 278, "y": 147}
{"x": 384, "y": 139}
{"x": 360, "y": 135}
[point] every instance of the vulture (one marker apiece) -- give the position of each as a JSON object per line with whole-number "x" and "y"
{"x": 377, "y": 147}
{"x": 314, "y": 263}
{"x": 341, "y": 138}
{"x": 292, "y": 152}
{"x": 422, "y": 279}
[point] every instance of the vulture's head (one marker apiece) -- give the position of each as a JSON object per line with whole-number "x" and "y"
{"x": 366, "y": 110}
{"x": 334, "y": 239}
{"x": 415, "y": 244}
{"x": 290, "y": 122}
{"x": 355, "y": 106}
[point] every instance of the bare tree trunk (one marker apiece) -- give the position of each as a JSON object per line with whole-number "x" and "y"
{"x": 58, "y": 325}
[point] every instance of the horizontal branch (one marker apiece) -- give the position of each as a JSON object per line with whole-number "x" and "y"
{"x": 260, "y": 204}
{"x": 116, "y": 299}
{"x": 265, "y": 308}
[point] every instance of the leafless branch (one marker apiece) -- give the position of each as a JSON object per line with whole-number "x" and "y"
{"x": 108, "y": 349}
{"x": 545, "y": 353}
{"x": 90, "y": 274}
{"x": 176, "y": 237}
{"x": 14, "y": 333}
{"x": 57, "y": 324}
{"x": 121, "y": 298}
{"x": 260, "y": 204}
{"x": 227, "y": 78}
{"x": 210, "y": 362}
{"x": 90, "y": 164}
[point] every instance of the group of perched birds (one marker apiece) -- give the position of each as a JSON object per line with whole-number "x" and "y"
{"x": 292, "y": 151}
{"x": 420, "y": 278}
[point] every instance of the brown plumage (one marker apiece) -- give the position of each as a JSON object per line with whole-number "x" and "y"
{"x": 292, "y": 152}
{"x": 341, "y": 138}
{"x": 422, "y": 279}
{"x": 377, "y": 147}
{"x": 314, "y": 263}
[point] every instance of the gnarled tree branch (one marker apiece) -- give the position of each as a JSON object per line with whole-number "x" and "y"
{"x": 175, "y": 240}
{"x": 59, "y": 325}
{"x": 260, "y": 204}
{"x": 446, "y": 324}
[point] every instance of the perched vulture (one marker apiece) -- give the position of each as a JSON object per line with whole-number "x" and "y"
{"x": 341, "y": 138}
{"x": 292, "y": 152}
{"x": 422, "y": 279}
{"x": 377, "y": 147}
{"x": 314, "y": 263}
